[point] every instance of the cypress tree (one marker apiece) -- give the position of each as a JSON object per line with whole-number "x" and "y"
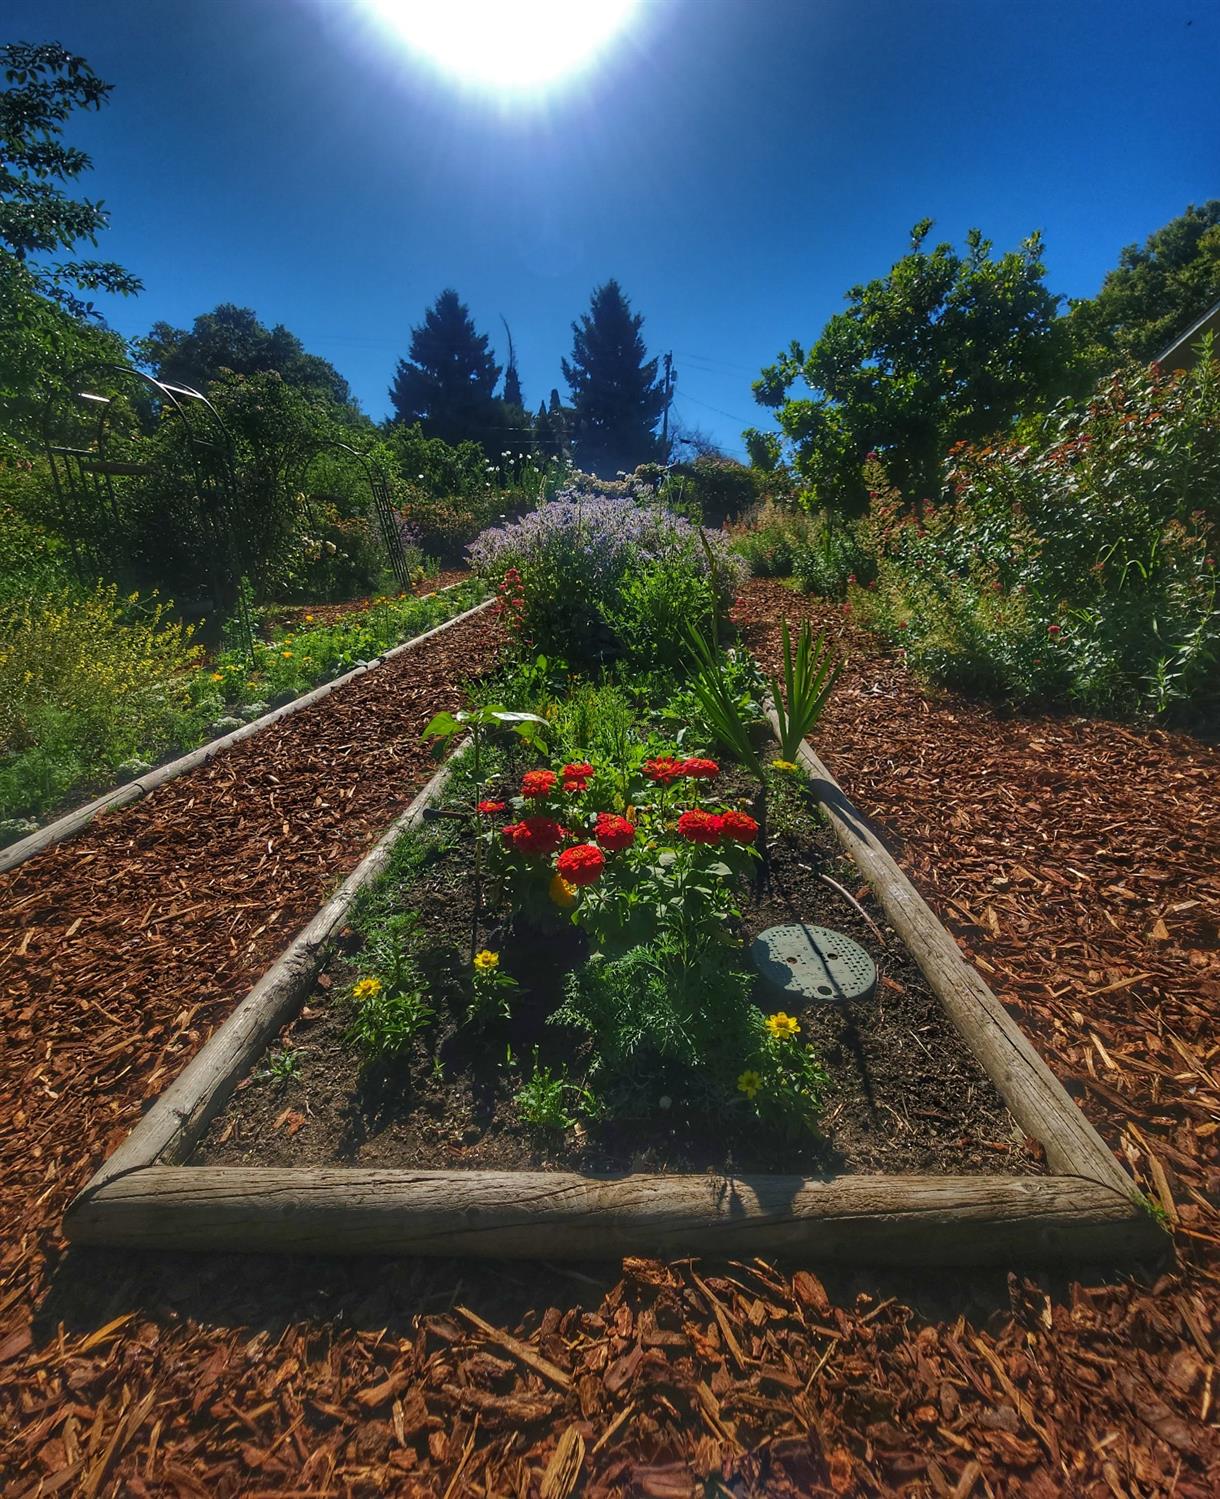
{"x": 446, "y": 384}
{"x": 616, "y": 397}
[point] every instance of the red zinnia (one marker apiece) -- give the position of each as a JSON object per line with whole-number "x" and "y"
{"x": 489, "y": 807}
{"x": 575, "y": 786}
{"x": 700, "y": 770}
{"x": 533, "y": 835}
{"x": 700, "y": 827}
{"x": 739, "y": 826}
{"x": 581, "y": 865}
{"x": 664, "y": 769}
{"x": 579, "y": 770}
{"x": 614, "y": 832}
{"x": 538, "y": 782}
{"x": 1052, "y": 629}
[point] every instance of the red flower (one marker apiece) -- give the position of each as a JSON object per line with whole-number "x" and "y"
{"x": 664, "y": 769}
{"x": 739, "y": 826}
{"x": 1053, "y": 630}
{"x": 535, "y": 836}
{"x": 487, "y": 808}
{"x": 575, "y": 785}
{"x": 700, "y": 770}
{"x": 700, "y": 827}
{"x": 614, "y": 832}
{"x": 538, "y": 782}
{"x": 581, "y": 865}
{"x": 580, "y": 770}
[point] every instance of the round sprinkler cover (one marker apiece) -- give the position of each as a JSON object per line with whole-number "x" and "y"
{"x": 814, "y": 963}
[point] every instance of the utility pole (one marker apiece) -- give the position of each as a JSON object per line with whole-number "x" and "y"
{"x": 669, "y": 395}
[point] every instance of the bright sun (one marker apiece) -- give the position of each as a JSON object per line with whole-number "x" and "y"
{"x": 506, "y": 45}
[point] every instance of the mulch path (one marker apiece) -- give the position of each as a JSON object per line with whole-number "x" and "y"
{"x": 292, "y": 616}
{"x": 1076, "y": 860}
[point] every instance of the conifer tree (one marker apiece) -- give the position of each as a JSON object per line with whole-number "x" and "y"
{"x": 512, "y": 379}
{"x": 616, "y": 397}
{"x": 446, "y": 384}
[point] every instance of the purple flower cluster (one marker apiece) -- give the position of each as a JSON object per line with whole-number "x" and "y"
{"x": 595, "y": 540}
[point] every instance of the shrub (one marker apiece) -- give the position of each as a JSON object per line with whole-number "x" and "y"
{"x": 770, "y": 536}
{"x": 574, "y": 556}
{"x": 86, "y": 682}
{"x": 1080, "y": 569}
{"x": 831, "y": 559}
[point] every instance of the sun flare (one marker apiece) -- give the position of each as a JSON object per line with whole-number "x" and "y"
{"x": 508, "y": 46}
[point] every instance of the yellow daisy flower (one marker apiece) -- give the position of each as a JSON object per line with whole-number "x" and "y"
{"x": 286, "y": 654}
{"x": 562, "y": 892}
{"x": 218, "y": 676}
{"x": 366, "y": 988}
{"x": 785, "y": 765}
{"x": 783, "y": 1027}
{"x": 749, "y": 1082}
{"x": 485, "y": 960}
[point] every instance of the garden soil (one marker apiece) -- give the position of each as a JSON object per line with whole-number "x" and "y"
{"x": 1076, "y": 861}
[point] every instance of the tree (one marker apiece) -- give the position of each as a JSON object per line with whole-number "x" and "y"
{"x": 447, "y": 383}
{"x": 512, "y": 379}
{"x": 616, "y": 397}
{"x": 45, "y": 83}
{"x": 946, "y": 347}
{"x": 1156, "y": 291}
{"x": 551, "y": 427}
{"x": 232, "y": 339}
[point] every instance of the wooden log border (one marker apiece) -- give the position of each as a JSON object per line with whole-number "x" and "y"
{"x": 145, "y": 1195}
{"x": 75, "y": 822}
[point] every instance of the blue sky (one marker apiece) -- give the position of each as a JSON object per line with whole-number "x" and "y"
{"x": 736, "y": 164}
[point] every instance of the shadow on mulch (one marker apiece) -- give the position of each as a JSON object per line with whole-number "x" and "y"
{"x": 91, "y": 1287}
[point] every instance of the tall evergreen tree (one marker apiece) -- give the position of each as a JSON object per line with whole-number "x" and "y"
{"x": 551, "y": 428}
{"x": 616, "y": 397}
{"x": 446, "y": 385}
{"x": 512, "y": 379}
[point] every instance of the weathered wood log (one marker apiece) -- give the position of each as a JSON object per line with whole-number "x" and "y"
{"x": 1032, "y": 1092}
{"x": 914, "y": 1220}
{"x": 176, "y": 1122}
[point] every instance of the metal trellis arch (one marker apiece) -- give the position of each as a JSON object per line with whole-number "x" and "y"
{"x": 391, "y": 536}
{"x": 79, "y": 438}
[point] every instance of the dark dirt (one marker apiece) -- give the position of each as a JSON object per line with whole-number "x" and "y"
{"x": 904, "y": 1094}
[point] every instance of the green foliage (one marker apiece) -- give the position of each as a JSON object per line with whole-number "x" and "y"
{"x": 946, "y": 347}
{"x": 717, "y": 489}
{"x": 770, "y": 537}
{"x": 617, "y": 399}
{"x": 542, "y": 1101}
{"x": 831, "y": 557}
{"x": 87, "y": 681}
{"x": 1157, "y": 290}
{"x": 230, "y": 340}
{"x": 652, "y": 605}
{"x": 448, "y": 382}
{"x": 645, "y": 1006}
{"x": 730, "y": 714}
{"x": 810, "y": 673}
{"x": 45, "y": 83}
{"x": 386, "y": 1020}
{"x": 1078, "y": 569}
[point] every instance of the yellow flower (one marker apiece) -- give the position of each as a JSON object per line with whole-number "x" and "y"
{"x": 562, "y": 892}
{"x": 485, "y": 960}
{"x": 218, "y": 676}
{"x": 782, "y": 1027}
{"x": 749, "y": 1082}
{"x": 366, "y": 988}
{"x": 285, "y": 654}
{"x": 309, "y": 619}
{"x": 787, "y": 765}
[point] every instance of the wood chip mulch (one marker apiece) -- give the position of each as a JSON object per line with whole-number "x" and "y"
{"x": 1078, "y": 863}
{"x": 292, "y": 616}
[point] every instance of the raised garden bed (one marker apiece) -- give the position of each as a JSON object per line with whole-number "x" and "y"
{"x": 936, "y": 1121}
